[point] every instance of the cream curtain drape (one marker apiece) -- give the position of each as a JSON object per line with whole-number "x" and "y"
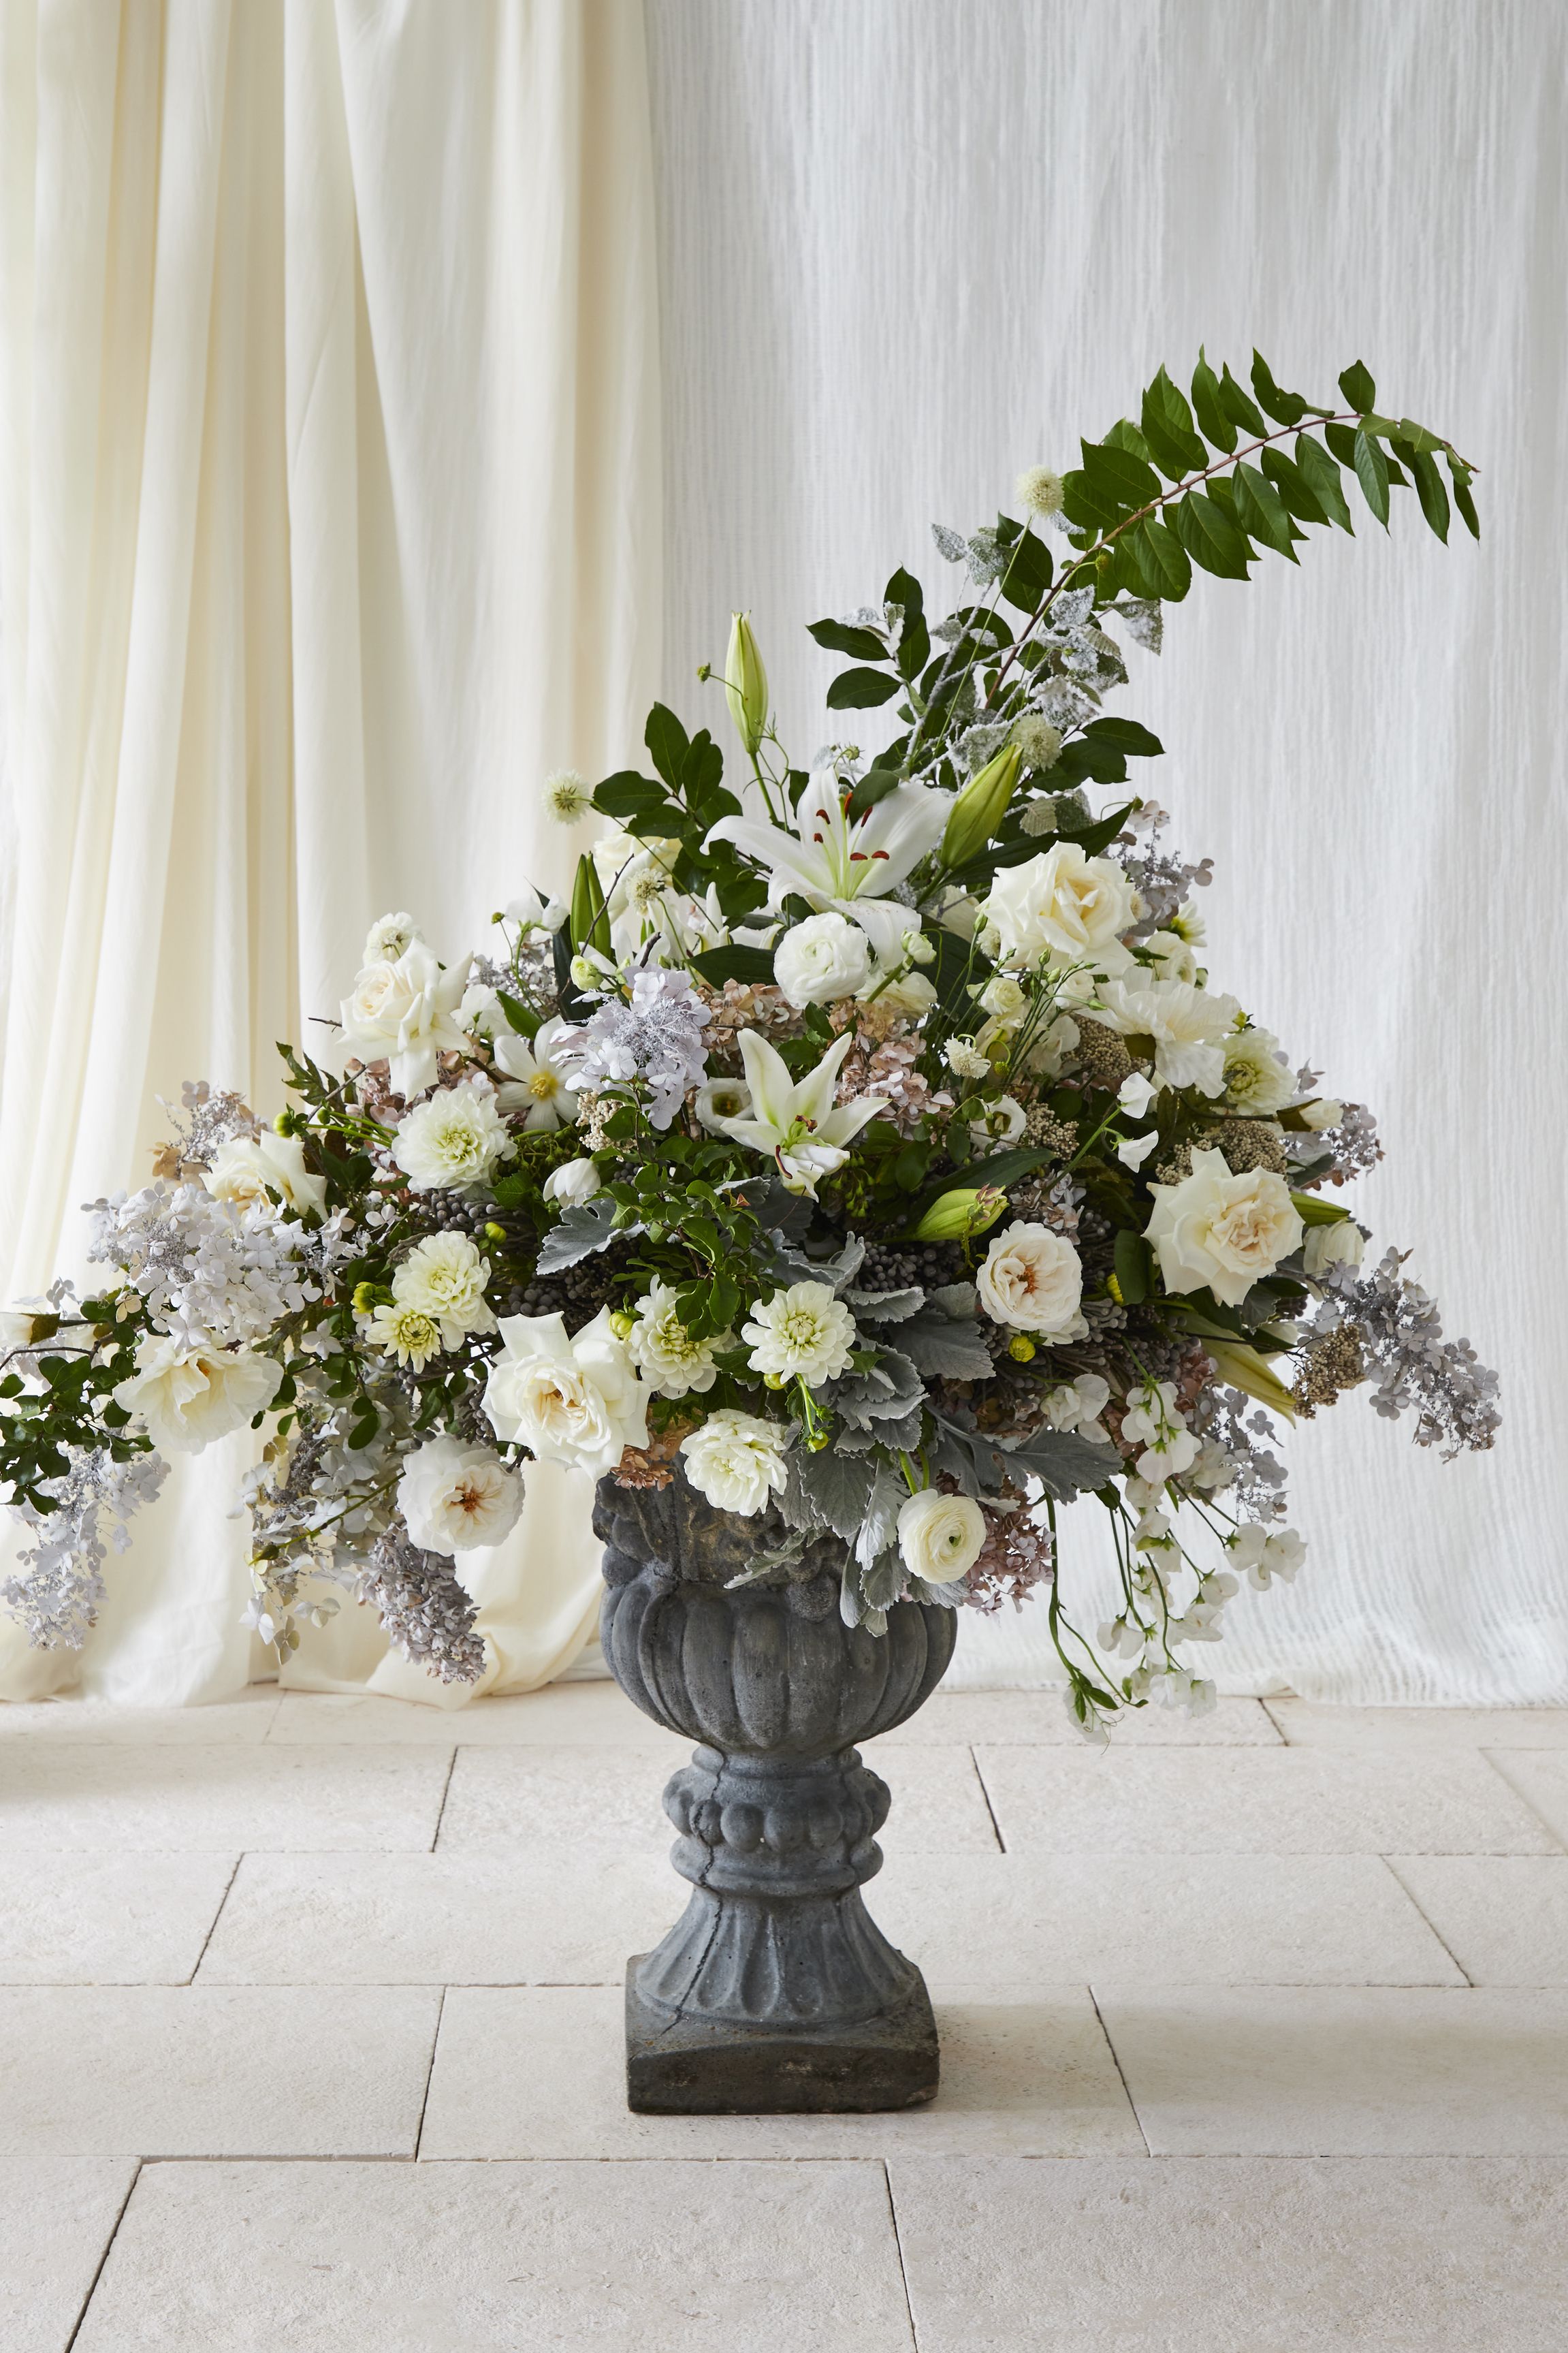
{"x": 328, "y": 523}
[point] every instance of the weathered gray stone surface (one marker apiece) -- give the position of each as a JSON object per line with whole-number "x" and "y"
{"x": 776, "y": 1991}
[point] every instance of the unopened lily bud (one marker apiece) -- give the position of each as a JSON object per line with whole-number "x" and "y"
{"x": 980, "y": 808}
{"x": 746, "y": 683}
{"x": 967, "y": 1209}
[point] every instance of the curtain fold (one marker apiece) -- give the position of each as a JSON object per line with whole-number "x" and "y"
{"x": 329, "y": 524}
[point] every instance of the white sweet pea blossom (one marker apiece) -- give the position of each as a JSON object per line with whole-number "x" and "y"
{"x": 1187, "y": 1025}
{"x": 1153, "y": 1422}
{"x": 1136, "y": 1094}
{"x": 1220, "y": 1232}
{"x": 736, "y": 1460}
{"x": 535, "y": 1081}
{"x": 832, "y": 861}
{"x": 455, "y": 1141}
{"x": 800, "y": 1334}
{"x": 187, "y": 1397}
{"x": 456, "y": 1498}
{"x": 1134, "y": 1150}
{"x": 799, "y": 1126}
{"x": 575, "y": 1400}
{"x": 535, "y": 914}
{"x": 404, "y": 1012}
{"x": 1077, "y": 1404}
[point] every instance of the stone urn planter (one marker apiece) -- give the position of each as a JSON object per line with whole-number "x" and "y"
{"x": 776, "y": 1991}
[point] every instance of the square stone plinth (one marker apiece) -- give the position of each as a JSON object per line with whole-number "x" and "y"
{"x": 683, "y": 2066}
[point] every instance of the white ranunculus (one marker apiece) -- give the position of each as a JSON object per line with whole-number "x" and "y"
{"x": 455, "y": 1141}
{"x": 1189, "y": 1026}
{"x": 1063, "y": 907}
{"x": 736, "y": 1460}
{"x": 662, "y": 1349}
{"x": 572, "y": 1400}
{"x": 405, "y": 1011}
{"x": 821, "y": 959}
{"x": 456, "y": 1498}
{"x": 247, "y": 1168}
{"x": 1033, "y": 1281}
{"x": 189, "y": 1396}
{"x": 1256, "y": 1078}
{"x": 444, "y": 1277}
{"x": 390, "y": 937}
{"x": 1341, "y": 1244}
{"x": 1220, "y": 1232}
{"x": 940, "y": 1536}
{"x": 573, "y": 1183}
{"x": 535, "y": 1080}
{"x": 803, "y": 1333}
{"x": 719, "y": 1102}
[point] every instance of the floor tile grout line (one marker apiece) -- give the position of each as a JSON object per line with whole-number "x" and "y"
{"x": 1116, "y": 2062}
{"x": 218, "y": 1915}
{"x": 1489, "y": 1758}
{"x": 1411, "y": 1896}
{"x": 429, "y": 2073}
{"x": 98, "y": 2270}
{"x": 899, "y": 2250}
{"x": 446, "y": 1790}
{"x": 995, "y": 1825}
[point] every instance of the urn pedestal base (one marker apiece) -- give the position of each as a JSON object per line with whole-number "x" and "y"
{"x": 678, "y": 2066}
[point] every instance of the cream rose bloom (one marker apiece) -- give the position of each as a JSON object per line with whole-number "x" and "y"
{"x": 404, "y": 1010}
{"x": 576, "y": 1401}
{"x": 247, "y": 1168}
{"x": 456, "y": 1498}
{"x": 821, "y": 959}
{"x": 189, "y": 1396}
{"x": 1063, "y": 906}
{"x": 1221, "y": 1232}
{"x": 1033, "y": 1281}
{"x": 939, "y": 1536}
{"x": 736, "y": 1460}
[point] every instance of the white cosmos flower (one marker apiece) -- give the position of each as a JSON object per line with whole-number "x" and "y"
{"x": 803, "y": 1333}
{"x": 830, "y": 860}
{"x": 736, "y": 1460}
{"x": 1063, "y": 907}
{"x": 405, "y": 1011}
{"x": 1033, "y": 1281}
{"x": 454, "y": 1141}
{"x": 456, "y": 1498}
{"x": 1256, "y": 1078}
{"x": 535, "y": 1081}
{"x": 572, "y": 1400}
{"x": 444, "y": 1277}
{"x": 247, "y": 1168}
{"x": 1221, "y": 1232}
{"x": 663, "y": 1351}
{"x": 573, "y": 1183}
{"x": 719, "y": 1102}
{"x": 188, "y": 1397}
{"x": 1341, "y": 1244}
{"x": 389, "y": 937}
{"x": 799, "y": 1126}
{"x": 826, "y": 957}
{"x": 940, "y": 1536}
{"x": 1188, "y": 1025}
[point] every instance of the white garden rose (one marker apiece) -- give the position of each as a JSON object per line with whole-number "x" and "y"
{"x": 248, "y": 1168}
{"x": 573, "y": 1400}
{"x": 573, "y": 1184}
{"x": 1063, "y": 907}
{"x": 802, "y": 1334}
{"x": 444, "y": 1277}
{"x": 455, "y": 1141}
{"x": 1032, "y": 1279}
{"x": 1341, "y": 1244}
{"x": 1220, "y": 1232}
{"x": 456, "y": 1498}
{"x": 405, "y": 1012}
{"x": 736, "y": 1460}
{"x": 1190, "y": 1028}
{"x": 821, "y": 959}
{"x": 188, "y": 1397}
{"x": 1256, "y": 1078}
{"x": 535, "y": 1078}
{"x": 940, "y": 1536}
{"x": 663, "y": 1351}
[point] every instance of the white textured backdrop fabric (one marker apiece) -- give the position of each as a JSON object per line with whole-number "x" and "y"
{"x": 907, "y": 247}
{"x": 328, "y": 523}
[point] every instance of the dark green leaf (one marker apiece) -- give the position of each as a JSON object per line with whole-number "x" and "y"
{"x": 1237, "y": 406}
{"x": 1090, "y": 509}
{"x": 628, "y": 794}
{"x": 1462, "y": 499}
{"x": 1429, "y": 490}
{"x": 666, "y": 740}
{"x": 1262, "y": 511}
{"x": 524, "y": 1020}
{"x": 1422, "y": 442}
{"x": 1124, "y": 434}
{"x": 861, "y": 690}
{"x": 1212, "y": 422}
{"x": 914, "y": 646}
{"x": 1340, "y": 439}
{"x": 1321, "y": 476}
{"x": 840, "y": 637}
{"x": 1118, "y": 477}
{"x": 1167, "y": 423}
{"x": 875, "y": 785}
{"x": 1028, "y": 575}
{"x": 1163, "y": 559}
{"x": 904, "y": 590}
{"x": 1372, "y": 473}
{"x": 1285, "y": 408}
{"x": 1292, "y": 486}
{"x": 1209, "y": 536}
{"x": 1359, "y": 392}
{"x": 719, "y": 964}
{"x": 1131, "y": 1267}
{"x": 1126, "y": 735}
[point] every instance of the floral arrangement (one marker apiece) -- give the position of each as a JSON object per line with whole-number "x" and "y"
{"x": 865, "y": 1144}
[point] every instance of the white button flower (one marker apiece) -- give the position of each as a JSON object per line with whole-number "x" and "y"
{"x": 535, "y": 1080}
{"x": 736, "y": 1460}
{"x": 803, "y": 1333}
{"x": 663, "y": 1351}
{"x": 455, "y": 1141}
{"x": 1033, "y": 1281}
{"x": 572, "y": 1401}
{"x": 456, "y": 1498}
{"x": 405, "y": 1011}
{"x": 444, "y": 1277}
{"x": 799, "y": 1126}
{"x": 1221, "y": 1232}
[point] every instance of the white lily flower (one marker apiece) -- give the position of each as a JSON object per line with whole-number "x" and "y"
{"x": 799, "y": 1126}
{"x": 846, "y": 864}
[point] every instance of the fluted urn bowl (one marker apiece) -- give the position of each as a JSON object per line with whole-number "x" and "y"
{"x": 776, "y": 1991}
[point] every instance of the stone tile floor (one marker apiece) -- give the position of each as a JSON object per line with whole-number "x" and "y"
{"x": 1255, "y": 2041}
